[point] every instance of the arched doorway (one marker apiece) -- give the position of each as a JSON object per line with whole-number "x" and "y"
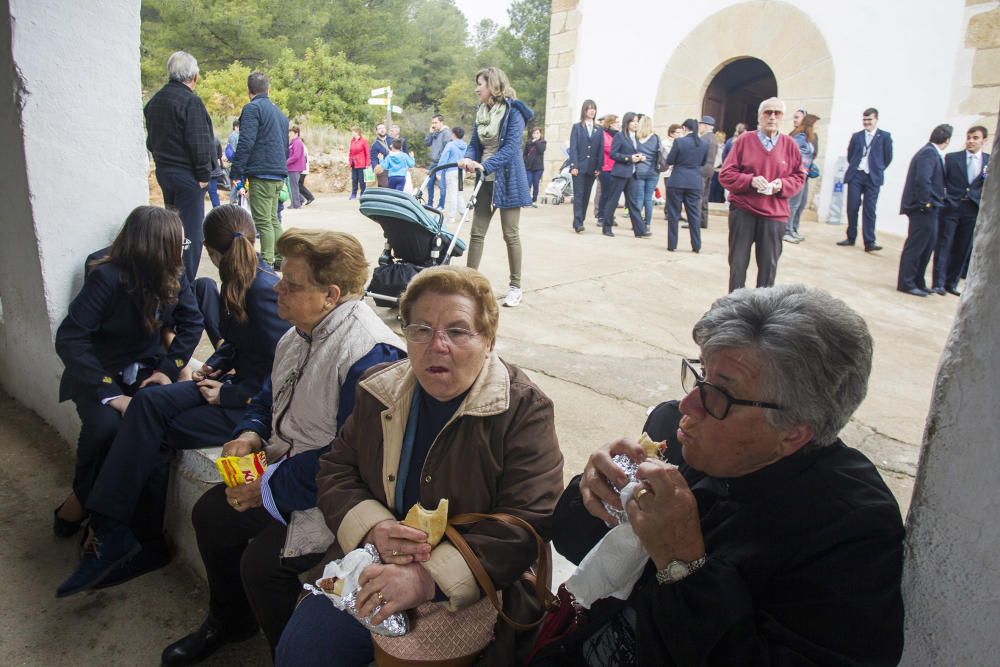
{"x": 736, "y": 92}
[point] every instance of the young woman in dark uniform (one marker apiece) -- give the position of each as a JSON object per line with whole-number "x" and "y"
{"x": 186, "y": 415}
{"x": 110, "y": 341}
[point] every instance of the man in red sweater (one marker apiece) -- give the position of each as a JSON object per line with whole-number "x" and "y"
{"x": 762, "y": 172}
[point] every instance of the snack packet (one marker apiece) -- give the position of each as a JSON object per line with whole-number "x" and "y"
{"x": 237, "y": 470}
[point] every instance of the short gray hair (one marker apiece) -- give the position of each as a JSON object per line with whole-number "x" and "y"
{"x": 182, "y": 66}
{"x": 816, "y": 352}
{"x": 258, "y": 83}
{"x": 760, "y": 107}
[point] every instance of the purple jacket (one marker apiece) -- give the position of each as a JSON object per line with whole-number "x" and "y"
{"x": 296, "y": 155}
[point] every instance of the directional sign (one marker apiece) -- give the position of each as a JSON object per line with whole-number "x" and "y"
{"x": 396, "y": 109}
{"x": 378, "y": 101}
{"x": 381, "y": 91}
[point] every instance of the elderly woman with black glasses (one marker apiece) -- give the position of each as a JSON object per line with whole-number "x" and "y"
{"x": 770, "y": 541}
{"x": 452, "y": 421}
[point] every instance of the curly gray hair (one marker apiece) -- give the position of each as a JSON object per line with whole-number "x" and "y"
{"x": 816, "y": 351}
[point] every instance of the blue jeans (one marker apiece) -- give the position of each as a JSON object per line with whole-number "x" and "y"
{"x": 796, "y": 205}
{"x": 397, "y": 182}
{"x": 534, "y": 178}
{"x": 438, "y": 180}
{"x": 213, "y": 191}
{"x": 644, "y": 196}
{"x": 317, "y": 631}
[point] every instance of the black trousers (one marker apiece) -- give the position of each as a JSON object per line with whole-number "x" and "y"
{"x": 304, "y": 190}
{"x": 629, "y": 186}
{"x": 206, "y": 292}
{"x": 954, "y": 243}
{"x": 692, "y": 204}
{"x": 182, "y": 193}
{"x": 862, "y": 188}
{"x": 250, "y": 584}
{"x": 746, "y": 230}
{"x": 921, "y": 235}
{"x": 159, "y": 420}
{"x": 583, "y": 184}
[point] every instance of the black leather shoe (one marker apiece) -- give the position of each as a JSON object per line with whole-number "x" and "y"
{"x": 201, "y": 643}
{"x": 938, "y": 290}
{"x": 578, "y": 230}
{"x": 872, "y": 248}
{"x": 608, "y": 232}
{"x": 845, "y": 242}
{"x": 152, "y": 557}
{"x": 952, "y": 290}
{"x": 913, "y": 292}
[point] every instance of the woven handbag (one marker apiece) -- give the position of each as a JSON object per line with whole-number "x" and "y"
{"x": 455, "y": 639}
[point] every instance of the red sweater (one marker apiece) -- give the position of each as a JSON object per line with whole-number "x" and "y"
{"x": 748, "y": 159}
{"x": 359, "y": 153}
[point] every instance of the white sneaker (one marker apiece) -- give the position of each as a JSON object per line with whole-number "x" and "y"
{"x": 513, "y": 298}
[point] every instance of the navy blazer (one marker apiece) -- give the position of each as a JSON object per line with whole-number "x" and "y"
{"x": 248, "y": 347}
{"x": 879, "y": 155}
{"x": 622, "y": 150}
{"x": 956, "y": 178}
{"x": 586, "y": 153}
{"x": 687, "y": 159}
{"x": 924, "y": 187}
{"x": 103, "y": 333}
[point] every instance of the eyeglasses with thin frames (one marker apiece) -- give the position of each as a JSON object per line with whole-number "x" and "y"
{"x": 422, "y": 334}
{"x": 715, "y": 400}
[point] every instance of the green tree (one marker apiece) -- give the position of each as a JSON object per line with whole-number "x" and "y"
{"x": 224, "y": 91}
{"x": 458, "y": 104}
{"x": 324, "y": 86}
{"x": 524, "y": 45}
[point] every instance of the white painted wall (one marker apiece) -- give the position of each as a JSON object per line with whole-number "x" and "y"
{"x": 74, "y": 165}
{"x": 951, "y": 583}
{"x": 905, "y": 58}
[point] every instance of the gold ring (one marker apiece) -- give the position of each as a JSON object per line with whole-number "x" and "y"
{"x": 380, "y": 597}
{"x": 395, "y": 552}
{"x": 236, "y": 502}
{"x": 637, "y": 496}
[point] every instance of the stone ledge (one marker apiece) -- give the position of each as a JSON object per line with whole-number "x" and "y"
{"x": 193, "y": 473}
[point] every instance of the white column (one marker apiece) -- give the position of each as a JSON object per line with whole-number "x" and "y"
{"x": 73, "y": 165}
{"x": 951, "y": 584}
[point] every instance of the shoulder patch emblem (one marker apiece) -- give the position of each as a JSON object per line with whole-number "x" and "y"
{"x": 106, "y": 380}
{"x": 179, "y": 363}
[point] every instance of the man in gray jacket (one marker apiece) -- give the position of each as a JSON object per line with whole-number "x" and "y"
{"x": 437, "y": 139}
{"x": 706, "y": 130}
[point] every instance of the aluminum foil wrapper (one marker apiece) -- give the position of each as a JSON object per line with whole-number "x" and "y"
{"x": 349, "y": 568}
{"x": 630, "y": 467}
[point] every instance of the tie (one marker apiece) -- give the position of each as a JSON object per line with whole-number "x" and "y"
{"x": 973, "y": 167}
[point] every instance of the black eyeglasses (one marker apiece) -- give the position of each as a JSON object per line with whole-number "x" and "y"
{"x": 715, "y": 400}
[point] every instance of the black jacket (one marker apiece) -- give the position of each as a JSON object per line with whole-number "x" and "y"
{"x": 924, "y": 187}
{"x": 263, "y": 146}
{"x": 179, "y": 131}
{"x": 586, "y": 152}
{"x": 534, "y": 155}
{"x": 687, "y": 159}
{"x": 103, "y": 333}
{"x": 249, "y": 346}
{"x": 956, "y": 178}
{"x": 804, "y": 565}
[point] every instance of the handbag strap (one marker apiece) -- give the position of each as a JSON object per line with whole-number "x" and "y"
{"x": 545, "y": 597}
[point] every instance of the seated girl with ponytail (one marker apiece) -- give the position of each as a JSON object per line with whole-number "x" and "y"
{"x": 124, "y": 542}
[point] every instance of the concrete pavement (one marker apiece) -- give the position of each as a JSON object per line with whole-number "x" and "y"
{"x": 602, "y": 330}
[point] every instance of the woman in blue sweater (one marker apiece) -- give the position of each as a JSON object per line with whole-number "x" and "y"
{"x": 495, "y": 149}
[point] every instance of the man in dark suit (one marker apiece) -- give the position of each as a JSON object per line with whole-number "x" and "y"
{"x": 706, "y": 132}
{"x": 964, "y": 173}
{"x": 868, "y": 154}
{"x": 586, "y": 156}
{"x": 923, "y": 197}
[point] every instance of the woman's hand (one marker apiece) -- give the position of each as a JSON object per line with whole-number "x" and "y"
{"x": 245, "y": 496}
{"x": 666, "y": 519}
{"x": 595, "y": 489}
{"x": 470, "y": 165}
{"x": 210, "y": 390}
{"x": 398, "y": 544}
{"x": 246, "y": 443}
{"x": 574, "y": 171}
{"x": 120, "y": 403}
{"x": 638, "y": 157}
{"x": 156, "y": 378}
{"x": 395, "y": 587}
{"x": 206, "y": 372}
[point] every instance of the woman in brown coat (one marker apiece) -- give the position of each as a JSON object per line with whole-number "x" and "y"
{"x": 452, "y": 421}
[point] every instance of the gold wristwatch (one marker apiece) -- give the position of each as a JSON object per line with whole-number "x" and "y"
{"x": 678, "y": 569}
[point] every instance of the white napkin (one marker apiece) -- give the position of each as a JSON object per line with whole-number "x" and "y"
{"x": 349, "y": 568}
{"x": 614, "y": 564}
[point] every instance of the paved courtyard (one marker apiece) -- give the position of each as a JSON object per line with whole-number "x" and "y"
{"x": 602, "y": 328}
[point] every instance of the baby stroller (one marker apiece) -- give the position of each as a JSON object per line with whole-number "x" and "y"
{"x": 559, "y": 188}
{"x": 415, "y": 237}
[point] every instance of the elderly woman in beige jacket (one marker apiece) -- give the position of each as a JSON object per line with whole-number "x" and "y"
{"x": 253, "y": 541}
{"x": 452, "y": 421}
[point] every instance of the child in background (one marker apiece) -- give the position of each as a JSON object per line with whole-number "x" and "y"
{"x": 397, "y": 164}
{"x": 453, "y": 151}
